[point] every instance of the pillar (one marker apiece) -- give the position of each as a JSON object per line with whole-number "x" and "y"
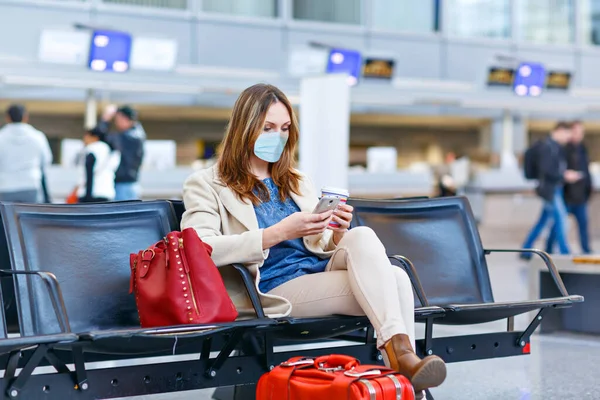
{"x": 508, "y": 138}
{"x": 325, "y": 129}
{"x": 91, "y": 110}
{"x": 520, "y": 134}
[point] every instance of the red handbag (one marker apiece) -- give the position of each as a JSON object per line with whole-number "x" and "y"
{"x": 331, "y": 377}
{"x": 176, "y": 282}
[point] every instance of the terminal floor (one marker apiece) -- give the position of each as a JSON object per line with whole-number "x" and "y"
{"x": 561, "y": 366}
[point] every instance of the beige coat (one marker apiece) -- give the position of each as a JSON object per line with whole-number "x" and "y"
{"x": 230, "y": 226}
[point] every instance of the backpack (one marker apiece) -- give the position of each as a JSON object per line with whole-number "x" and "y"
{"x": 531, "y": 161}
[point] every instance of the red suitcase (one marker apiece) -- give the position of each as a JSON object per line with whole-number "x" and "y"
{"x": 334, "y": 377}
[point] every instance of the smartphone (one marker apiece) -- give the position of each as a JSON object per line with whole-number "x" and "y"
{"x": 326, "y": 204}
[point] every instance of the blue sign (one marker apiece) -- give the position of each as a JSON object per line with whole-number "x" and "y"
{"x": 530, "y": 79}
{"x": 345, "y": 61}
{"x": 110, "y": 51}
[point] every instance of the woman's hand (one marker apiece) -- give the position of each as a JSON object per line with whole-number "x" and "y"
{"x": 343, "y": 216}
{"x": 295, "y": 226}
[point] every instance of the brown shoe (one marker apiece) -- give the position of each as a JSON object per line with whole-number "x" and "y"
{"x": 424, "y": 374}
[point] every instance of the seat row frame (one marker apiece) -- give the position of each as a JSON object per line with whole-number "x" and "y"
{"x": 235, "y": 354}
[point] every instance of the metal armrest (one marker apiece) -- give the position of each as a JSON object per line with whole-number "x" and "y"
{"x": 410, "y": 269}
{"x": 547, "y": 260}
{"x": 251, "y": 288}
{"x": 54, "y": 291}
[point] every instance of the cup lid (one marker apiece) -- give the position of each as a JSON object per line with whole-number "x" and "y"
{"x": 334, "y": 190}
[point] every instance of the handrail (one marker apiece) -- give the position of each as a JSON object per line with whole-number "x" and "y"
{"x": 251, "y": 288}
{"x": 547, "y": 260}
{"x": 411, "y": 271}
{"x": 56, "y": 297}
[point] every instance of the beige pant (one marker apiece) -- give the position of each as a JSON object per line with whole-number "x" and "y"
{"x": 359, "y": 280}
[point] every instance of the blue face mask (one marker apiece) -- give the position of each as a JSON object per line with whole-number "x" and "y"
{"x": 269, "y": 146}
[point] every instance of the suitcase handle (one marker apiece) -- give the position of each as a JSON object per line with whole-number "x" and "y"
{"x": 357, "y": 374}
{"x": 294, "y": 362}
{"x": 336, "y": 362}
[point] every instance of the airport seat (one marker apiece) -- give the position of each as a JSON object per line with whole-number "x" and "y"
{"x": 440, "y": 237}
{"x": 7, "y": 285}
{"x": 87, "y": 248}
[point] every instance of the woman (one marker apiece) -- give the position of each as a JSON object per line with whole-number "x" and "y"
{"x": 99, "y": 163}
{"x": 254, "y": 208}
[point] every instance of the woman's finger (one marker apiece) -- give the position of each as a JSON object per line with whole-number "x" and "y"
{"x": 315, "y": 218}
{"x": 319, "y": 226}
{"x": 316, "y": 231}
{"x": 344, "y": 215}
{"x": 325, "y": 215}
{"x": 344, "y": 224}
{"x": 326, "y": 223}
{"x": 346, "y": 208}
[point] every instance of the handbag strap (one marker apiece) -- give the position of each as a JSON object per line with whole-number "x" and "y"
{"x": 141, "y": 261}
{"x": 146, "y": 257}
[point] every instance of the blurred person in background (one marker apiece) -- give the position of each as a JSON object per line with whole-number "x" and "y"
{"x": 128, "y": 140}
{"x": 577, "y": 194}
{"x": 553, "y": 174}
{"x": 44, "y": 188}
{"x": 446, "y": 182}
{"x": 98, "y": 166}
{"x": 24, "y": 154}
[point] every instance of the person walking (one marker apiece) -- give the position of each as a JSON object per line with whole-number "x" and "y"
{"x": 552, "y": 176}
{"x": 24, "y": 155}
{"x": 445, "y": 181}
{"x": 577, "y": 194}
{"x": 98, "y": 165}
{"x": 128, "y": 140}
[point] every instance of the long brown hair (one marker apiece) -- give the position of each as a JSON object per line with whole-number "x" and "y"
{"x": 245, "y": 126}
